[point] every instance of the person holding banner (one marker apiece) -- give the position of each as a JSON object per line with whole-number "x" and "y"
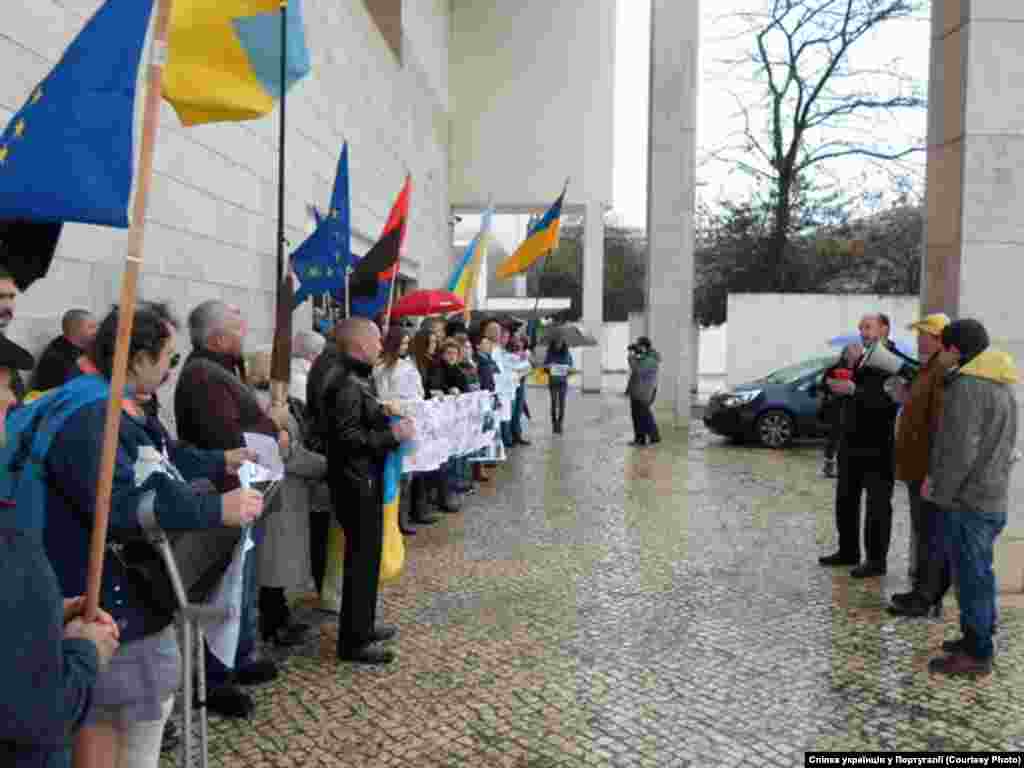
{"x": 559, "y": 364}
{"x": 359, "y": 438}
{"x": 133, "y": 697}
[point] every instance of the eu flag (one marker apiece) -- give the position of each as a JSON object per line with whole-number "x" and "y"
{"x": 67, "y": 154}
{"x": 320, "y": 262}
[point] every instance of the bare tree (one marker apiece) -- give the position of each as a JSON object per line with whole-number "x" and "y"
{"x": 817, "y": 105}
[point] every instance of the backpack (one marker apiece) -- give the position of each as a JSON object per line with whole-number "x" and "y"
{"x": 31, "y": 430}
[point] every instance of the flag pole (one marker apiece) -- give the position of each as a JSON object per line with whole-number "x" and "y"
{"x": 348, "y": 300}
{"x": 280, "y": 366}
{"x": 391, "y": 301}
{"x": 126, "y": 313}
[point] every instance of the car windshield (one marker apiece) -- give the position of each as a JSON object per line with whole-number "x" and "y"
{"x": 793, "y": 373}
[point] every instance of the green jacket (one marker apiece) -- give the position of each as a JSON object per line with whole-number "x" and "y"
{"x": 974, "y": 449}
{"x": 643, "y": 376}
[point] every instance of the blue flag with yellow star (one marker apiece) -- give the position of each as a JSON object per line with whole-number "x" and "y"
{"x": 67, "y": 154}
{"x": 321, "y": 261}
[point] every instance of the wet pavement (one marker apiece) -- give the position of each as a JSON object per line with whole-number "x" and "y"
{"x": 604, "y": 605}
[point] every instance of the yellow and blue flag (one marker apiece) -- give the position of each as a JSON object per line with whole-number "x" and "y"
{"x": 393, "y": 547}
{"x": 67, "y": 154}
{"x": 322, "y": 260}
{"x": 542, "y": 238}
{"x": 461, "y": 281}
{"x": 224, "y": 58}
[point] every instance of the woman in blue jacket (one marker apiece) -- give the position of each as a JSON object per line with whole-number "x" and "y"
{"x": 559, "y": 364}
{"x": 133, "y": 696}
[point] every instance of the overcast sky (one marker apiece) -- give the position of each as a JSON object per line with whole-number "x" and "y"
{"x": 717, "y": 107}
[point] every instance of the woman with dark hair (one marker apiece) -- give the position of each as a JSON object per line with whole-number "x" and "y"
{"x": 133, "y": 696}
{"x": 396, "y": 377}
{"x": 559, "y": 364}
{"x": 423, "y": 351}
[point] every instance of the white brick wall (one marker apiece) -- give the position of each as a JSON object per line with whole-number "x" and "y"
{"x": 212, "y": 213}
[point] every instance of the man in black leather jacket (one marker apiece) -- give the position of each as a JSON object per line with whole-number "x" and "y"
{"x": 866, "y": 462}
{"x": 359, "y": 437}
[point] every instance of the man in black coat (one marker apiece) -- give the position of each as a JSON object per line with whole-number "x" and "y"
{"x": 866, "y": 462}
{"x": 59, "y": 362}
{"x": 359, "y": 437}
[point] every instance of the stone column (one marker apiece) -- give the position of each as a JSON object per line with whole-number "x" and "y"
{"x": 671, "y": 187}
{"x": 975, "y": 231}
{"x": 593, "y": 294}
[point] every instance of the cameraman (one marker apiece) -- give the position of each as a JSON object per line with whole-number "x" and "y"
{"x": 644, "y": 362}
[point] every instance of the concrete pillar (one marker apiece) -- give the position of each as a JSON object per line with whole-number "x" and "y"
{"x": 974, "y": 233}
{"x": 671, "y": 187}
{"x": 593, "y": 293}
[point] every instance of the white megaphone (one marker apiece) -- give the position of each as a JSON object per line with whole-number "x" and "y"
{"x": 881, "y": 357}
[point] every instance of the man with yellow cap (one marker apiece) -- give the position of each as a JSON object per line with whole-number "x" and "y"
{"x": 918, "y": 423}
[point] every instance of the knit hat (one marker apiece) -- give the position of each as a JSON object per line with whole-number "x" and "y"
{"x": 969, "y": 336}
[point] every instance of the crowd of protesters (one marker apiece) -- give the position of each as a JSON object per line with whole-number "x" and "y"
{"x": 105, "y": 688}
{"x": 946, "y": 426}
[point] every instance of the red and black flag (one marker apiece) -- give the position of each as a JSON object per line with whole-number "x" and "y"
{"x": 380, "y": 264}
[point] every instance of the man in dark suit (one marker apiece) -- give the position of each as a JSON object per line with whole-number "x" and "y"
{"x": 866, "y": 462}
{"x": 359, "y": 437}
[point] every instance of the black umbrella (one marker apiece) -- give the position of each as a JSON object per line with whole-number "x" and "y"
{"x": 573, "y": 336}
{"x": 27, "y": 248}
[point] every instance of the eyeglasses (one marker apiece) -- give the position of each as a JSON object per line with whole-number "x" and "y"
{"x": 175, "y": 359}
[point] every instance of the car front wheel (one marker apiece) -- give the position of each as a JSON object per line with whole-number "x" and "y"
{"x": 775, "y": 429}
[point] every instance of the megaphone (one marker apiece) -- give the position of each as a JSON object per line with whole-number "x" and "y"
{"x": 882, "y": 358}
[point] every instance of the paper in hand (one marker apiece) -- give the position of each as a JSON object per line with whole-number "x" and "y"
{"x": 268, "y": 455}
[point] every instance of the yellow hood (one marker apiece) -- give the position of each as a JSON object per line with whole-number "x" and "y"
{"x": 994, "y": 365}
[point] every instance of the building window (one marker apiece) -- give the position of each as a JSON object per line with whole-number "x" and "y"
{"x": 387, "y": 14}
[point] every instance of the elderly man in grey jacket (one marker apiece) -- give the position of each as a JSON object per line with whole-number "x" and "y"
{"x": 969, "y": 476}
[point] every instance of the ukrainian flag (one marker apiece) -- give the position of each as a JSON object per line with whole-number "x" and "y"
{"x": 224, "y": 58}
{"x": 393, "y": 549}
{"x": 542, "y": 238}
{"x": 461, "y": 281}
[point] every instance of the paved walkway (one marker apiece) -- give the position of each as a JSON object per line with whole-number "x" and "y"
{"x": 602, "y": 605}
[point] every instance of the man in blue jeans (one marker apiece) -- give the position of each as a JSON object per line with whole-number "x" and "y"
{"x": 968, "y": 479}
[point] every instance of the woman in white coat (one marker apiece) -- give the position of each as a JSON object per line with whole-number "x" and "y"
{"x": 398, "y": 380}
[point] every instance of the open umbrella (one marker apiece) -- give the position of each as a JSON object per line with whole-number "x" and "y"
{"x": 571, "y": 334}
{"x": 427, "y": 302}
{"x": 904, "y": 347}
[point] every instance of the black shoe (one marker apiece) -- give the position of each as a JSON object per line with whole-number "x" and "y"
{"x": 904, "y": 597}
{"x": 838, "y": 559}
{"x": 382, "y": 633}
{"x": 522, "y": 441}
{"x": 916, "y": 607}
{"x": 366, "y": 655}
{"x": 256, "y": 672}
{"x": 230, "y": 701}
{"x": 656, "y": 439}
{"x": 170, "y": 739}
{"x": 288, "y": 636}
{"x": 448, "y": 506}
{"x": 639, "y": 441}
{"x": 868, "y": 570}
{"x": 960, "y": 645}
{"x": 425, "y": 520}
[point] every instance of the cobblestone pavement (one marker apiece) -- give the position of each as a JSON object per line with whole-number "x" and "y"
{"x": 603, "y": 605}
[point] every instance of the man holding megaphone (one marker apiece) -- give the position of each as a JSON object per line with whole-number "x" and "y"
{"x": 866, "y": 451}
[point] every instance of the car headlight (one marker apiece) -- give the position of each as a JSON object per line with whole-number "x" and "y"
{"x": 736, "y": 399}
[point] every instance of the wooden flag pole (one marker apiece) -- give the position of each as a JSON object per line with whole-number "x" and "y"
{"x": 126, "y": 313}
{"x": 280, "y": 364}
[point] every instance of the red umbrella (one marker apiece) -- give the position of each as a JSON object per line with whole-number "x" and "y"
{"x": 427, "y": 302}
